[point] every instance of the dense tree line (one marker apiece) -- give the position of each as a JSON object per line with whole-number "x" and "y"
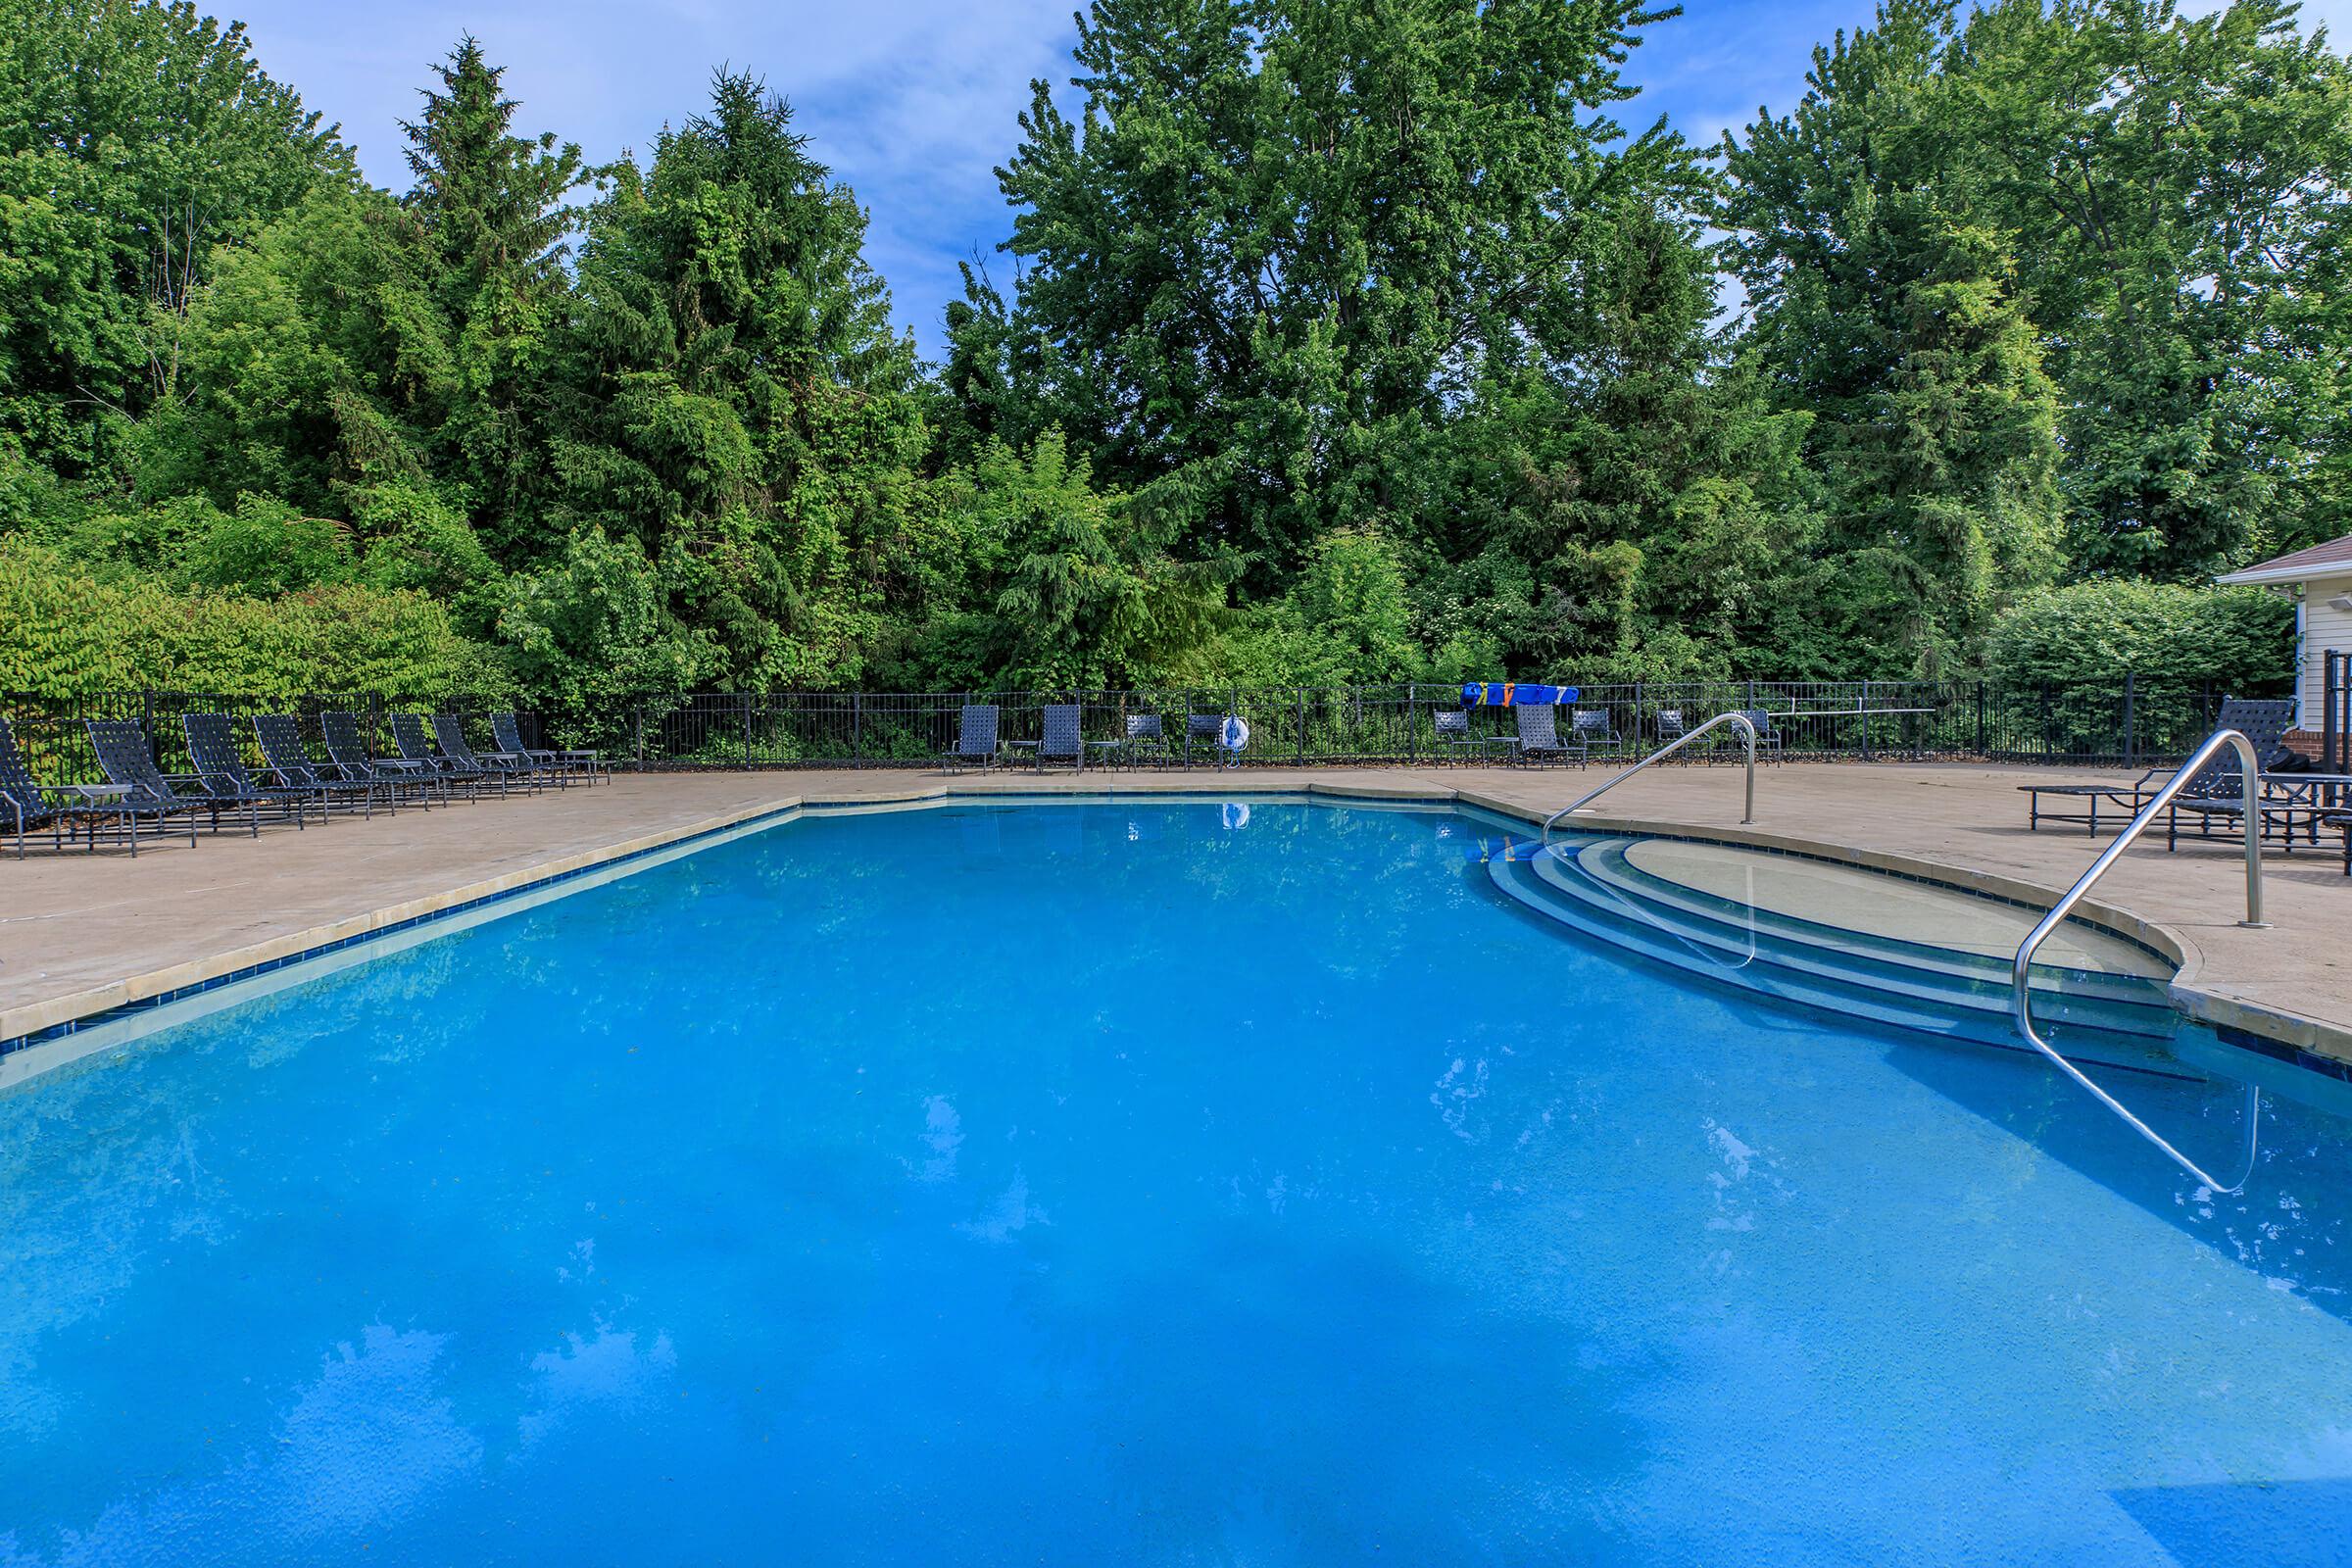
{"x": 1345, "y": 341}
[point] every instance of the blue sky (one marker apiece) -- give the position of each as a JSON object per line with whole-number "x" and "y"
{"x": 911, "y": 101}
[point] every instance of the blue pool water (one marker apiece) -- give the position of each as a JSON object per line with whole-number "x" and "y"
{"x": 1132, "y": 1184}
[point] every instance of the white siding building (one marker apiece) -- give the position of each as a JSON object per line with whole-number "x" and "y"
{"x": 2321, "y": 579}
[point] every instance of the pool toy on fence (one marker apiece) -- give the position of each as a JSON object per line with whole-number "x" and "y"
{"x": 1516, "y": 693}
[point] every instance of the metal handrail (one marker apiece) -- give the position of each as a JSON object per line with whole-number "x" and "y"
{"x": 1747, "y": 732}
{"x": 2019, "y": 980}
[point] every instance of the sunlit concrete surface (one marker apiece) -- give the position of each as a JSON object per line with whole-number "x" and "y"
{"x": 81, "y": 932}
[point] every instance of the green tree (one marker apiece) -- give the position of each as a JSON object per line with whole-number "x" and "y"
{"x": 734, "y": 398}
{"x": 313, "y": 363}
{"x": 136, "y": 139}
{"x": 491, "y": 209}
{"x": 1280, "y": 239}
{"x": 1893, "y": 321}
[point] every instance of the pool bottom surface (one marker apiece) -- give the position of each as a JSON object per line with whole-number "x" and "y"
{"x": 1152, "y": 1184}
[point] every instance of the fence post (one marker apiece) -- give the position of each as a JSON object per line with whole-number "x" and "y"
{"x": 1981, "y": 754}
{"x": 857, "y": 728}
{"x": 1862, "y": 706}
{"x": 1412, "y": 691}
{"x": 637, "y": 728}
{"x": 746, "y": 699}
{"x": 1301, "y": 726}
{"x": 2130, "y": 694}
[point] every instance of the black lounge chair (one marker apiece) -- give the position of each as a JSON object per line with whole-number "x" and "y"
{"x": 409, "y": 739}
{"x": 67, "y": 811}
{"x": 1768, "y": 739}
{"x": 2213, "y": 792}
{"x": 2218, "y": 792}
{"x": 1145, "y": 737}
{"x": 341, "y": 732}
{"x": 1592, "y": 731}
{"x": 1539, "y": 737}
{"x": 280, "y": 738}
{"x": 2127, "y": 798}
{"x": 975, "y": 738}
{"x": 220, "y": 773}
{"x": 1453, "y": 731}
{"x": 1671, "y": 728}
{"x": 500, "y": 765}
{"x": 557, "y": 764}
{"x": 129, "y": 760}
{"x": 1059, "y": 737}
{"x": 1208, "y": 729}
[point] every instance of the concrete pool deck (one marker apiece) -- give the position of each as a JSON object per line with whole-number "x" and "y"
{"x": 82, "y": 934}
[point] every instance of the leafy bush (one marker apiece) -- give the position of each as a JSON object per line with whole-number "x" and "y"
{"x": 71, "y": 635}
{"x": 2232, "y": 639}
{"x": 595, "y": 627}
{"x": 268, "y": 547}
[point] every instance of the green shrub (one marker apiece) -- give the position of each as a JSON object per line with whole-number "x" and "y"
{"x": 2231, "y": 639}
{"x": 73, "y": 635}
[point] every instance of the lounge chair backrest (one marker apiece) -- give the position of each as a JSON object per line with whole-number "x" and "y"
{"x": 1670, "y": 723}
{"x": 1758, "y": 717}
{"x": 341, "y": 732}
{"x": 976, "y": 730}
{"x": 128, "y": 759}
{"x": 452, "y": 736}
{"x": 16, "y": 785}
{"x": 282, "y": 747}
{"x": 1060, "y": 733}
{"x": 1205, "y": 726}
{"x": 407, "y": 734}
{"x": 2263, "y": 720}
{"x": 1539, "y": 726}
{"x": 507, "y": 732}
{"x": 1454, "y": 722}
{"x": 213, "y": 749}
{"x": 1591, "y": 723}
{"x": 1144, "y": 727}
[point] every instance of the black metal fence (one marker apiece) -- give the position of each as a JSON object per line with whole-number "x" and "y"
{"x": 2336, "y": 712}
{"x": 2128, "y": 723}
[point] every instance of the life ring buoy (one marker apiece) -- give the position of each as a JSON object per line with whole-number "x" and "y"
{"x": 1236, "y": 733}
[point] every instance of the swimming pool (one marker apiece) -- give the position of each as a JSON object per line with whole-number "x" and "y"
{"x": 1137, "y": 1183}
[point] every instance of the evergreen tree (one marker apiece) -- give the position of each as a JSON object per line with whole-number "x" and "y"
{"x": 735, "y": 398}
{"x": 491, "y": 209}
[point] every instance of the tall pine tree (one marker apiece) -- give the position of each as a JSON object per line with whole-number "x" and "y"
{"x": 490, "y": 211}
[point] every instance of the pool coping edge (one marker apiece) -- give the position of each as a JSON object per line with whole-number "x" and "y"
{"x": 51, "y": 1018}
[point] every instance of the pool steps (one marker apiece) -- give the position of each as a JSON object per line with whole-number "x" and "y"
{"x": 1591, "y": 886}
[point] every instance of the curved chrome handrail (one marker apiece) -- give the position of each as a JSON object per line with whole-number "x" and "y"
{"x": 1748, "y": 731}
{"x": 2021, "y": 975}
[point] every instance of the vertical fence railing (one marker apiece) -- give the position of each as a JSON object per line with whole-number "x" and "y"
{"x": 2130, "y": 722}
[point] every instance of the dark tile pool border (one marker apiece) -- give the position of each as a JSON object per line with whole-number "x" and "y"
{"x": 2275, "y": 1049}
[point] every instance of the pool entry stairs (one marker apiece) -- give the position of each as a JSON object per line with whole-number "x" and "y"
{"x": 1593, "y": 886}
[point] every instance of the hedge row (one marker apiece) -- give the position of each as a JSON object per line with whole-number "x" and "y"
{"x": 64, "y": 633}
